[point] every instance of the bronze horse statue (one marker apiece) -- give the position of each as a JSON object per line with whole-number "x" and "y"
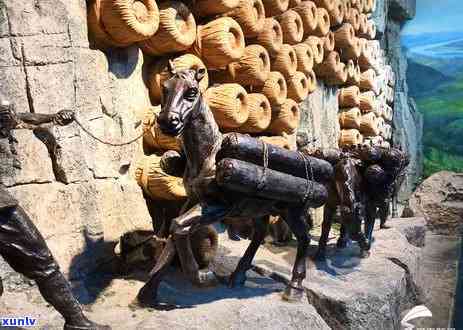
{"x": 184, "y": 112}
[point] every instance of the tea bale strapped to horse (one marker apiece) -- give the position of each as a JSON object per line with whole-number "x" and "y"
{"x": 213, "y": 197}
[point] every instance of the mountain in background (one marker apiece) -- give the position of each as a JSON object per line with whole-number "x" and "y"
{"x": 424, "y": 39}
{"x": 423, "y": 79}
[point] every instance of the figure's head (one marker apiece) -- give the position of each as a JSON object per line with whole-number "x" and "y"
{"x": 179, "y": 96}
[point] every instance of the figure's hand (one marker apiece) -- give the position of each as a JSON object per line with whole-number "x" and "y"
{"x": 64, "y": 117}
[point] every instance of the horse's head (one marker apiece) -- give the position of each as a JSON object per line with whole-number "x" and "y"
{"x": 180, "y": 95}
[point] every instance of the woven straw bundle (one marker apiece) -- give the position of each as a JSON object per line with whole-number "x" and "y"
{"x": 285, "y": 61}
{"x": 292, "y": 27}
{"x": 159, "y": 72}
{"x": 216, "y": 7}
{"x": 344, "y": 36}
{"x": 363, "y": 28}
{"x": 154, "y": 139}
{"x": 385, "y": 145}
{"x": 352, "y": 52}
{"x": 354, "y": 78}
{"x": 305, "y": 57}
{"x": 329, "y": 66}
{"x": 389, "y": 95}
{"x": 177, "y": 30}
{"x": 337, "y": 13}
{"x": 102, "y": 38}
{"x": 381, "y": 124}
{"x": 219, "y": 42}
{"x": 285, "y": 118}
{"x": 349, "y": 97}
{"x": 329, "y": 42}
{"x": 229, "y": 104}
{"x": 349, "y": 137}
{"x": 274, "y": 88}
{"x": 250, "y": 14}
{"x": 129, "y": 21}
{"x": 298, "y": 86}
{"x": 369, "y": 6}
{"x": 368, "y": 81}
{"x": 365, "y": 59}
{"x": 350, "y": 118}
{"x": 374, "y": 140}
{"x": 339, "y": 77}
{"x": 367, "y": 101}
{"x": 311, "y": 81}
{"x": 260, "y": 114}
{"x": 294, "y": 3}
{"x": 156, "y": 183}
{"x": 323, "y": 23}
{"x": 386, "y": 131}
{"x": 275, "y": 7}
{"x": 353, "y": 18}
{"x": 371, "y": 29}
{"x": 388, "y": 113}
{"x": 327, "y": 4}
{"x": 253, "y": 67}
{"x": 279, "y": 141}
{"x": 308, "y": 12}
{"x": 318, "y": 47}
{"x": 369, "y": 125}
{"x": 271, "y": 36}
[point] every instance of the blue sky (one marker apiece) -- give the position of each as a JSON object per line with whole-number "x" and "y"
{"x": 436, "y": 16}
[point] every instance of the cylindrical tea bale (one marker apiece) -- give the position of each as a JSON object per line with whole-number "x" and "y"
{"x": 354, "y": 79}
{"x": 329, "y": 42}
{"x": 323, "y": 23}
{"x": 274, "y": 88}
{"x": 253, "y": 67}
{"x": 384, "y": 130}
{"x": 254, "y": 180}
{"x": 389, "y": 95}
{"x": 129, "y": 21}
{"x": 349, "y": 97}
{"x": 294, "y": 3}
{"x": 156, "y": 183}
{"x": 349, "y": 137}
{"x": 311, "y": 81}
{"x": 353, "y": 18}
{"x": 298, "y": 87}
{"x": 371, "y": 29}
{"x": 159, "y": 72}
{"x": 317, "y": 45}
{"x": 367, "y": 101}
{"x": 369, "y": 125}
{"x": 339, "y": 77}
{"x": 350, "y": 118}
{"x": 369, "y": 6}
{"x": 260, "y": 114}
{"x": 368, "y": 81}
{"x": 363, "y": 28}
{"x": 329, "y": 66}
{"x": 97, "y": 29}
{"x": 327, "y": 4}
{"x": 285, "y": 118}
{"x": 344, "y": 36}
{"x": 388, "y": 113}
{"x": 352, "y": 51}
{"x": 229, "y": 104}
{"x": 154, "y": 139}
{"x": 250, "y": 14}
{"x": 210, "y": 8}
{"x": 285, "y": 61}
{"x": 291, "y": 25}
{"x": 308, "y": 12}
{"x": 246, "y": 148}
{"x": 279, "y": 141}
{"x": 177, "y": 30}
{"x": 271, "y": 36}
{"x": 305, "y": 57}
{"x": 275, "y": 7}
{"x": 337, "y": 13}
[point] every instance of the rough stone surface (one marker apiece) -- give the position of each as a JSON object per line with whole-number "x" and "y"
{"x": 414, "y": 229}
{"x": 401, "y": 10}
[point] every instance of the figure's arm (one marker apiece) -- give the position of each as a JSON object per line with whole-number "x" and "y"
{"x": 173, "y": 163}
{"x": 35, "y": 118}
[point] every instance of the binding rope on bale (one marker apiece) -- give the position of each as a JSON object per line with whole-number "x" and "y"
{"x": 369, "y": 125}
{"x": 285, "y": 61}
{"x": 329, "y": 42}
{"x": 96, "y": 26}
{"x": 285, "y": 118}
{"x": 308, "y": 13}
{"x": 344, "y": 36}
{"x": 274, "y": 88}
{"x": 229, "y": 104}
{"x": 292, "y": 27}
{"x": 305, "y": 57}
{"x": 323, "y": 23}
{"x": 153, "y": 138}
{"x": 271, "y": 37}
{"x": 367, "y": 101}
{"x": 250, "y": 14}
{"x": 129, "y": 21}
{"x": 216, "y": 7}
{"x": 317, "y": 45}
{"x": 219, "y": 42}
{"x": 349, "y": 97}
{"x": 260, "y": 114}
{"x": 349, "y": 137}
{"x": 253, "y": 67}
{"x": 329, "y": 66}
{"x": 275, "y": 7}
{"x": 298, "y": 86}
{"x": 177, "y": 30}
{"x": 337, "y": 13}
{"x": 350, "y": 118}
{"x": 159, "y": 72}
{"x": 156, "y": 183}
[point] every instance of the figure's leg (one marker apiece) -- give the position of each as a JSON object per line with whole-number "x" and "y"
{"x": 24, "y": 248}
{"x": 370, "y": 222}
{"x": 343, "y": 238}
{"x": 384, "y": 212}
{"x": 298, "y": 225}
{"x": 238, "y": 277}
{"x": 328, "y": 214}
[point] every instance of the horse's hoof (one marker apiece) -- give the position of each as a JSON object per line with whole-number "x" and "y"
{"x": 319, "y": 256}
{"x": 341, "y": 244}
{"x": 293, "y": 294}
{"x": 237, "y": 279}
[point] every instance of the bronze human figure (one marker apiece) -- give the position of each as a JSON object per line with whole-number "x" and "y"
{"x": 21, "y": 244}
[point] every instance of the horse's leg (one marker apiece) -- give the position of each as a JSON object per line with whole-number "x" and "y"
{"x": 343, "y": 238}
{"x": 370, "y": 222}
{"x": 238, "y": 277}
{"x": 384, "y": 213}
{"x": 298, "y": 225}
{"x": 328, "y": 214}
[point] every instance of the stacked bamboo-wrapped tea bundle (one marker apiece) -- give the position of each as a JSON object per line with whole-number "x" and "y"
{"x": 260, "y": 114}
{"x": 285, "y": 61}
{"x": 292, "y": 27}
{"x": 350, "y": 118}
{"x": 285, "y": 118}
{"x": 305, "y": 57}
{"x": 298, "y": 86}
{"x": 323, "y": 22}
{"x": 318, "y": 47}
{"x": 349, "y": 137}
{"x": 349, "y": 97}
{"x": 250, "y": 15}
{"x": 271, "y": 37}
{"x": 308, "y": 13}
{"x": 210, "y": 8}
{"x": 274, "y": 88}
{"x": 369, "y": 125}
